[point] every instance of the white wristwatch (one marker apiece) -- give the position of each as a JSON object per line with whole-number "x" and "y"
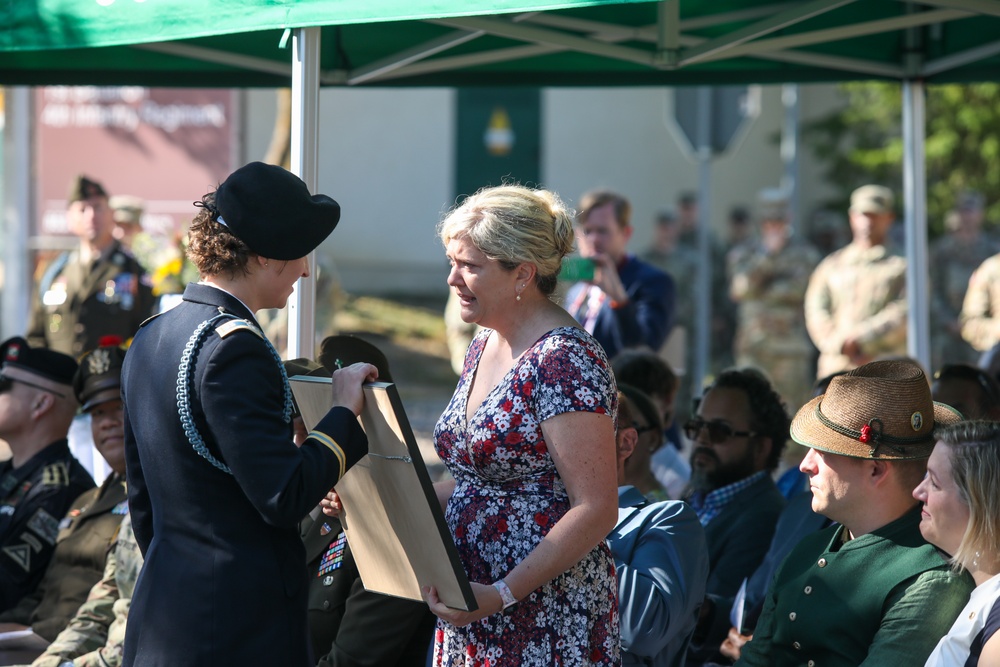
{"x": 504, "y": 590}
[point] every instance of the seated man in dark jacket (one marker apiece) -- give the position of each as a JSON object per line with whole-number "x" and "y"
{"x": 739, "y": 432}
{"x": 41, "y": 480}
{"x": 89, "y": 528}
{"x": 869, "y": 590}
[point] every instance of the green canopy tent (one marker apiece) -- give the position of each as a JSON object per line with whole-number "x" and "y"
{"x": 502, "y": 42}
{"x": 498, "y": 42}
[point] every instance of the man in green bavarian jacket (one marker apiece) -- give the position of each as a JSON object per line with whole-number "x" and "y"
{"x": 869, "y": 591}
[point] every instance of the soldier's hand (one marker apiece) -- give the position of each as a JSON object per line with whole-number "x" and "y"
{"x": 347, "y": 384}
{"x": 331, "y": 504}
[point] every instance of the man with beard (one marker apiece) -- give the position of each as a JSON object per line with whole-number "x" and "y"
{"x": 739, "y": 432}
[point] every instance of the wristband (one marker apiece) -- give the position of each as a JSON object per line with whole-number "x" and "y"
{"x": 504, "y": 590}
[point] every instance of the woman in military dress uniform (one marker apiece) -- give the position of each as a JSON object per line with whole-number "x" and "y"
{"x": 216, "y": 485}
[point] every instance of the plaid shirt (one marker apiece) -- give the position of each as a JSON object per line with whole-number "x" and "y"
{"x": 709, "y": 506}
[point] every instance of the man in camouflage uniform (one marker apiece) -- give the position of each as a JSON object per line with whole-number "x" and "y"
{"x": 953, "y": 258}
{"x": 97, "y": 290}
{"x": 768, "y": 280}
{"x": 855, "y": 304}
{"x": 41, "y": 480}
{"x": 88, "y": 529}
{"x": 981, "y": 308}
{"x": 96, "y": 634}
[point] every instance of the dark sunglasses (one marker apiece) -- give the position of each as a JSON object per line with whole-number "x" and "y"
{"x": 718, "y": 432}
{"x": 6, "y": 382}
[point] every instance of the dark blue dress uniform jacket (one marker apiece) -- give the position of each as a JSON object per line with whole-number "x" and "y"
{"x": 224, "y": 579}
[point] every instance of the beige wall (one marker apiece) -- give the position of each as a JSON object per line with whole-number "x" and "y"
{"x": 387, "y": 156}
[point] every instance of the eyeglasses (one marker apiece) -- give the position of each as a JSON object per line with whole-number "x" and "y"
{"x": 718, "y": 432}
{"x": 6, "y": 382}
{"x": 640, "y": 430}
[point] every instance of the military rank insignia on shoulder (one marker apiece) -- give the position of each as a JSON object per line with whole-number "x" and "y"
{"x": 149, "y": 319}
{"x": 232, "y": 326}
{"x": 55, "y": 474}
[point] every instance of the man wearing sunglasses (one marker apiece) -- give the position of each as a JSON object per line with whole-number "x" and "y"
{"x": 41, "y": 480}
{"x": 738, "y": 433}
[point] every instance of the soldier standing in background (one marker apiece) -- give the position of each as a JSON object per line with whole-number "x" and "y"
{"x": 768, "y": 280}
{"x": 96, "y": 290}
{"x": 981, "y": 308}
{"x": 855, "y": 305}
{"x": 680, "y": 261}
{"x": 723, "y": 318}
{"x": 953, "y": 258}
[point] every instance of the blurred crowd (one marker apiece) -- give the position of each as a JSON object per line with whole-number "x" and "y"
{"x": 723, "y": 534}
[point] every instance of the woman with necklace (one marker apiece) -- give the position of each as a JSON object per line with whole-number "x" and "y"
{"x": 529, "y": 437}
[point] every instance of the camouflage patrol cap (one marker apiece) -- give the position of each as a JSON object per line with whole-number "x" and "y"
{"x": 49, "y": 364}
{"x": 872, "y": 199}
{"x": 127, "y": 209}
{"x": 970, "y": 200}
{"x": 772, "y": 204}
{"x": 99, "y": 378}
{"x": 82, "y": 188}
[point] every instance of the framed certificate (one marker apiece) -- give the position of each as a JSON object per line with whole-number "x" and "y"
{"x": 392, "y": 517}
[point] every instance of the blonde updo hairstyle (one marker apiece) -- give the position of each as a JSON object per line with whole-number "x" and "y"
{"x": 514, "y": 225}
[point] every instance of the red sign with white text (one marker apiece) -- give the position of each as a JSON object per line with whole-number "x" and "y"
{"x": 167, "y": 146}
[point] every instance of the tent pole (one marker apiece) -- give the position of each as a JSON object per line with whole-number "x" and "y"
{"x": 305, "y": 164}
{"x": 16, "y": 198}
{"x": 790, "y": 152}
{"x": 915, "y": 218}
{"x": 703, "y": 303}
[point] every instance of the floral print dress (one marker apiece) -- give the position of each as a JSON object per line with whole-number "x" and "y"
{"x": 507, "y": 497}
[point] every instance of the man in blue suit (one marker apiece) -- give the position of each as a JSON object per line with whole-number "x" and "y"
{"x": 628, "y": 303}
{"x": 661, "y": 560}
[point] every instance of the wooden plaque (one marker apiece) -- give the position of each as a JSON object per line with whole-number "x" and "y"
{"x": 392, "y": 517}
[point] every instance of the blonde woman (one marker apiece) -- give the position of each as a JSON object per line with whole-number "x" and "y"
{"x": 529, "y": 437}
{"x": 961, "y": 516}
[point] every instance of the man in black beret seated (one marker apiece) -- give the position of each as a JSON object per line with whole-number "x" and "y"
{"x": 41, "y": 480}
{"x": 89, "y": 529}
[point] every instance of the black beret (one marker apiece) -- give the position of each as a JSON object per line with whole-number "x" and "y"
{"x": 41, "y": 361}
{"x": 343, "y": 350}
{"x": 270, "y": 209}
{"x": 84, "y": 188}
{"x": 304, "y": 366}
{"x": 99, "y": 378}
